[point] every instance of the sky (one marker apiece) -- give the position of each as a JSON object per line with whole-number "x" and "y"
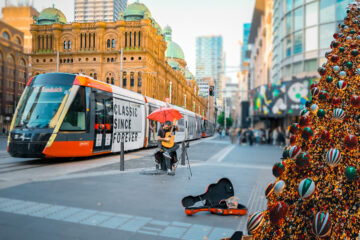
{"x": 188, "y": 20}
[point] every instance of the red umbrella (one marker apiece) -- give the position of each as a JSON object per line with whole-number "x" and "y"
{"x": 165, "y": 114}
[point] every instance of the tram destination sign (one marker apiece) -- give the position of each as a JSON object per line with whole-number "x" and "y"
{"x": 127, "y": 123}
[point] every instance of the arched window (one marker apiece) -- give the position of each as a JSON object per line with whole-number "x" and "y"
{"x": 10, "y": 59}
{"x": 112, "y": 80}
{"x": 6, "y": 35}
{"x": 94, "y": 39}
{"x": 125, "y": 39}
{"x": 17, "y": 40}
{"x": 69, "y": 44}
{"x": 139, "y": 38}
{"x": 65, "y": 44}
{"x": 95, "y": 76}
{"x": 134, "y": 39}
{"x": 130, "y": 39}
{"x": 132, "y": 79}
{"x": 91, "y": 75}
{"x": 112, "y": 59}
{"x": 124, "y": 79}
{"x": 108, "y": 59}
{"x": 22, "y": 62}
{"x": 113, "y": 43}
{"x": 139, "y": 79}
{"x": 107, "y": 80}
{"x": 108, "y": 43}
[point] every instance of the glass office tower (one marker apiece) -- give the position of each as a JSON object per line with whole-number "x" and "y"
{"x": 302, "y": 33}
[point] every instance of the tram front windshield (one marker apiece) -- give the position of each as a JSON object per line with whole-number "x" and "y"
{"x": 40, "y": 104}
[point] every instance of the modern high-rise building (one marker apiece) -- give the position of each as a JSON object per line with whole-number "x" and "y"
{"x": 99, "y": 10}
{"x": 209, "y": 60}
{"x": 242, "y": 109}
{"x": 245, "y": 42}
{"x": 287, "y": 43}
{"x": 302, "y": 33}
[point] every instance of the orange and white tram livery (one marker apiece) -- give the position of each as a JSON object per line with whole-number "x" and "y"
{"x": 69, "y": 115}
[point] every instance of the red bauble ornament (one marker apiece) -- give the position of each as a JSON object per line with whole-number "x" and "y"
{"x": 336, "y": 101}
{"x": 355, "y": 100}
{"x": 350, "y": 141}
{"x": 315, "y": 91}
{"x": 294, "y": 128}
{"x": 292, "y": 140}
{"x": 334, "y": 58}
{"x": 314, "y": 84}
{"x": 303, "y": 160}
{"x": 304, "y": 121}
{"x": 323, "y": 96}
{"x": 336, "y": 35}
{"x": 270, "y": 189}
{"x": 325, "y": 135}
{"x": 278, "y": 212}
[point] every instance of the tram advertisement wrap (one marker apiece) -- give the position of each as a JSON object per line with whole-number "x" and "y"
{"x": 127, "y": 124}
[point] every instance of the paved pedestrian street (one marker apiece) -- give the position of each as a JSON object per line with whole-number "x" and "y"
{"x": 92, "y": 199}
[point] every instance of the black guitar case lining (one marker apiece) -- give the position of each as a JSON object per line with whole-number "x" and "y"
{"x": 212, "y": 199}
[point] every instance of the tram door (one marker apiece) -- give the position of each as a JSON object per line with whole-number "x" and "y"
{"x": 103, "y": 122}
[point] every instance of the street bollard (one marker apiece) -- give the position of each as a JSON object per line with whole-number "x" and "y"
{"x": 122, "y": 156}
{"x": 183, "y": 154}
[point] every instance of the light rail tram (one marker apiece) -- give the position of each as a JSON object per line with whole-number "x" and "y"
{"x": 69, "y": 115}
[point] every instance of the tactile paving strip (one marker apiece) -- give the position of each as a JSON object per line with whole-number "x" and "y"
{"x": 139, "y": 224}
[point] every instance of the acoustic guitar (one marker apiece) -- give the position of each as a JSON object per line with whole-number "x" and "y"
{"x": 171, "y": 142}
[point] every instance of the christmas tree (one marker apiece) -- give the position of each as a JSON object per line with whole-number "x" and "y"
{"x": 317, "y": 191}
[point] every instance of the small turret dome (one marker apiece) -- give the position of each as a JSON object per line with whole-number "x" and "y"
{"x": 50, "y": 16}
{"x": 173, "y": 49}
{"x": 136, "y": 11}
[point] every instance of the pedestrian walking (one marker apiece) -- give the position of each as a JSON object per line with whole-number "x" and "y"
{"x": 233, "y": 136}
{"x": 223, "y": 133}
{"x": 281, "y": 137}
{"x": 274, "y": 136}
{"x": 267, "y": 136}
{"x": 250, "y": 136}
{"x": 257, "y": 136}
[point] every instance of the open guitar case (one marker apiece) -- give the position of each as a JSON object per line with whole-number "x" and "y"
{"x": 212, "y": 200}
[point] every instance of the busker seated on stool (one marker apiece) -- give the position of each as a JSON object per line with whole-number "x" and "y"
{"x": 169, "y": 154}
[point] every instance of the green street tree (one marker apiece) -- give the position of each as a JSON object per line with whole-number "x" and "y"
{"x": 229, "y": 121}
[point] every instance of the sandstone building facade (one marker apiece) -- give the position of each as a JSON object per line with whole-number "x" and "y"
{"x": 147, "y": 66}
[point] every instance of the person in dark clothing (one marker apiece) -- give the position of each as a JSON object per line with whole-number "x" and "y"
{"x": 250, "y": 136}
{"x": 281, "y": 137}
{"x": 169, "y": 154}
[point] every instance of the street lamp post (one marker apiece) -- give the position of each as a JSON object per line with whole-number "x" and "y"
{"x": 121, "y": 66}
{"x": 225, "y": 114}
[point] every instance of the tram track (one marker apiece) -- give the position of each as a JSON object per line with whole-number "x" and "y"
{"x": 19, "y": 166}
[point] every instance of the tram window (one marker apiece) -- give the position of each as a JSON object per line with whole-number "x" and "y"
{"x": 75, "y": 118}
{"x": 109, "y": 112}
